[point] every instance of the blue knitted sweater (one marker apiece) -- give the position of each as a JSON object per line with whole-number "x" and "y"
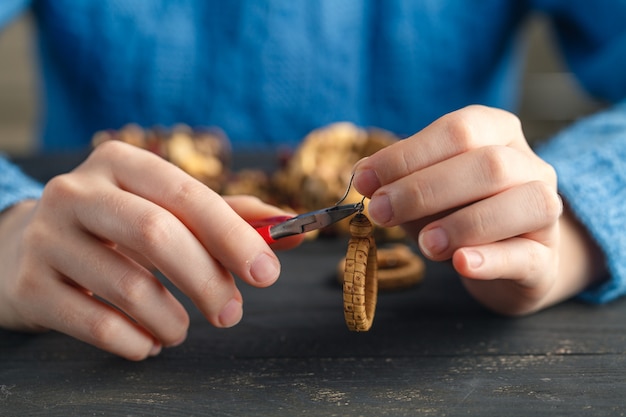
{"x": 268, "y": 72}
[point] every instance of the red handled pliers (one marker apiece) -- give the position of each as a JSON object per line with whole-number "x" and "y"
{"x": 274, "y": 228}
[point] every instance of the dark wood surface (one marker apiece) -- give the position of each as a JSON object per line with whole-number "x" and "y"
{"x": 432, "y": 351}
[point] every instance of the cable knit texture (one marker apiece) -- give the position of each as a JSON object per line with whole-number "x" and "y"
{"x": 268, "y": 72}
{"x": 591, "y": 150}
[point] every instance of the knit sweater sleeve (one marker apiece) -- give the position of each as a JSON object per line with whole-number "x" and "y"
{"x": 590, "y": 160}
{"x": 15, "y": 186}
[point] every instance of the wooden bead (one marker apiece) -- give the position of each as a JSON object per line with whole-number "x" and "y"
{"x": 360, "y": 226}
{"x": 360, "y": 283}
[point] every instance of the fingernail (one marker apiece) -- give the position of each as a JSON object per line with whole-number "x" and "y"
{"x": 365, "y": 181}
{"x": 474, "y": 258}
{"x": 433, "y": 242}
{"x": 265, "y": 269}
{"x": 380, "y": 209}
{"x": 231, "y": 313}
{"x": 356, "y": 165}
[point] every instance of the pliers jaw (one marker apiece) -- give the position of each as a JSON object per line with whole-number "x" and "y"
{"x": 309, "y": 221}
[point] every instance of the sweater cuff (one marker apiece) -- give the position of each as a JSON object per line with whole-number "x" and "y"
{"x": 15, "y": 186}
{"x": 590, "y": 160}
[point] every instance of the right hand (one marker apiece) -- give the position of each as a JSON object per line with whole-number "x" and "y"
{"x": 80, "y": 260}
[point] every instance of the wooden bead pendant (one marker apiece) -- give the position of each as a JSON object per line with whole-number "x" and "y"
{"x": 360, "y": 282}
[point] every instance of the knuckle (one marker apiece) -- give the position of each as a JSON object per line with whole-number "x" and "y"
{"x": 405, "y": 162}
{"x": 35, "y": 238}
{"x": 31, "y": 275}
{"x": 26, "y": 287}
{"x": 480, "y": 223}
{"x": 188, "y": 191}
{"x": 116, "y": 150}
{"x": 33, "y": 235}
{"x": 494, "y": 164}
{"x": 512, "y": 119}
{"x": 109, "y": 149}
{"x": 134, "y": 286}
{"x": 22, "y": 288}
{"x": 152, "y": 229}
{"x": 547, "y": 200}
{"x": 103, "y": 329}
{"x": 480, "y": 112}
{"x": 422, "y": 195}
{"x": 460, "y": 128}
{"x": 134, "y": 289}
{"x": 60, "y": 189}
{"x": 536, "y": 264}
{"x": 464, "y": 126}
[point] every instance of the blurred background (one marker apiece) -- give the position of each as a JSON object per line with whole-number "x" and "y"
{"x": 550, "y": 101}
{"x": 17, "y": 89}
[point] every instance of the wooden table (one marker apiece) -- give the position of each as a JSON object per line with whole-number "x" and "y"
{"x": 432, "y": 351}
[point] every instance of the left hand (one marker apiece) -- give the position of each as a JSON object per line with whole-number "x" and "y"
{"x": 469, "y": 188}
{"x": 81, "y": 259}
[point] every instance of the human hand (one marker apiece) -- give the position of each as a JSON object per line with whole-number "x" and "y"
{"x": 79, "y": 260}
{"x": 470, "y": 189}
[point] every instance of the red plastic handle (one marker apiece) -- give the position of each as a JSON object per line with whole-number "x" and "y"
{"x": 264, "y": 231}
{"x": 263, "y": 226}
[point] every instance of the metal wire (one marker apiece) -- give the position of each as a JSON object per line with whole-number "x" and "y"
{"x": 347, "y": 191}
{"x": 361, "y": 203}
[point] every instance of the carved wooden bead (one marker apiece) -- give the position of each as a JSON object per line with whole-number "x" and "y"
{"x": 360, "y": 226}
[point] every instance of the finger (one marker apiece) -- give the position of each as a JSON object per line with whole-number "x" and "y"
{"x": 512, "y": 277}
{"x": 114, "y": 215}
{"x": 519, "y": 259}
{"x": 226, "y": 236}
{"x": 123, "y": 283}
{"x": 85, "y": 318}
{"x": 173, "y": 249}
{"x": 452, "y": 134}
{"x": 455, "y": 182}
{"x": 530, "y": 207}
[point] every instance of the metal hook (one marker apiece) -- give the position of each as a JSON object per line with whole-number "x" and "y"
{"x": 361, "y": 203}
{"x": 347, "y": 191}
